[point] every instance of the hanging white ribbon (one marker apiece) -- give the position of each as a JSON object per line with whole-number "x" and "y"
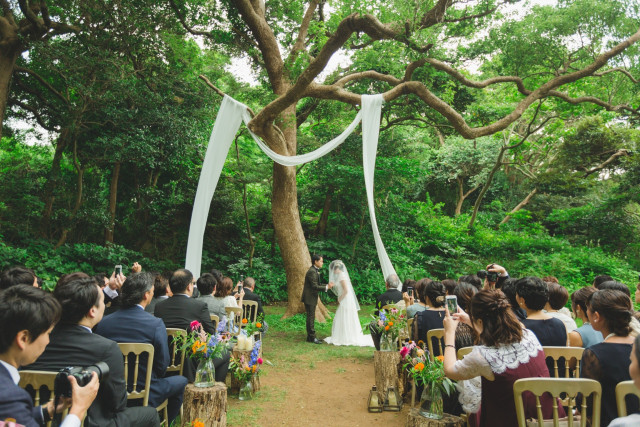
{"x": 227, "y": 125}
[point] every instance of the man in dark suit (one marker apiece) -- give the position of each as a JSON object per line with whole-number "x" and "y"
{"x": 180, "y": 310}
{"x": 142, "y": 327}
{"x": 310, "y": 292}
{"x": 73, "y": 344}
{"x": 249, "y": 286}
{"x": 27, "y": 316}
{"x": 391, "y": 296}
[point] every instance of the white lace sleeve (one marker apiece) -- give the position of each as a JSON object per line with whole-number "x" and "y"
{"x": 470, "y": 394}
{"x": 472, "y": 367}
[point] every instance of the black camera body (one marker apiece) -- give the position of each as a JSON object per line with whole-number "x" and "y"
{"x": 491, "y": 276}
{"x": 62, "y": 386}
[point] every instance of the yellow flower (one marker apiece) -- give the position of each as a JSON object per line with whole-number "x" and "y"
{"x": 248, "y": 369}
{"x": 254, "y": 368}
{"x": 420, "y": 352}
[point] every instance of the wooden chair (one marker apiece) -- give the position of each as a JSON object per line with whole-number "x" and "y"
{"x": 235, "y": 313}
{"x": 407, "y": 332}
{"x": 215, "y": 320}
{"x": 435, "y": 333}
{"x": 250, "y": 310}
{"x": 136, "y": 349}
{"x": 556, "y": 387}
{"x": 37, "y": 380}
{"x": 622, "y": 390}
{"x": 567, "y": 353}
{"x": 462, "y": 352}
{"x": 172, "y": 334}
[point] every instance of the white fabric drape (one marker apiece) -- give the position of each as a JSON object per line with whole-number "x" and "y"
{"x": 226, "y": 126}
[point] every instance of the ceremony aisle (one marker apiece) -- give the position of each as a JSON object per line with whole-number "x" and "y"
{"x": 310, "y": 384}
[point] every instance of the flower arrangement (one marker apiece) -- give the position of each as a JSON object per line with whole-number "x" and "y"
{"x": 250, "y": 328}
{"x": 422, "y": 370}
{"x": 200, "y": 345}
{"x": 244, "y": 368}
{"x": 389, "y": 324}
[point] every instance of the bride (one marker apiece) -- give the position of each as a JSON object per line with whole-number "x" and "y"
{"x": 346, "y": 329}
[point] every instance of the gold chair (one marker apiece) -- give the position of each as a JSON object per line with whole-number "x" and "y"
{"x": 172, "y": 334}
{"x": 435, "y": 333}
{"x": 568, "y": 353}
{"x": 556, "y": 387}
{"x": 235, "y": 313}
{"x": 37, "y": 380}
{"x": 464, "y": 351}
{"x": 137, "y": 349}
{"x": 407, "y": 331}
{"x": 215, "y": 320}
{"x": 622, "y": 390}
{"x": 250, "y": 310}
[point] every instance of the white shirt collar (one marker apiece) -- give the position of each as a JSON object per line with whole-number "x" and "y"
{"x": 15, "y": 375}
{"x": 140, "y": 306}
{"x": 87, "y": 328}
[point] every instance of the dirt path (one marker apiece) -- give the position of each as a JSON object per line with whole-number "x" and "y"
{"x": 312, "y": 385}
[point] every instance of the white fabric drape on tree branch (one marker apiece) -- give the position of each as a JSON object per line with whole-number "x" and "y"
{"x": 225, "y": 128}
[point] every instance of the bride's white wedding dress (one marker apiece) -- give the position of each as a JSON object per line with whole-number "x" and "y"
{"x": 346, "y": 328}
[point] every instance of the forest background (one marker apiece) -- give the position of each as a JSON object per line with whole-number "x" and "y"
{"x": 121, "y": 121}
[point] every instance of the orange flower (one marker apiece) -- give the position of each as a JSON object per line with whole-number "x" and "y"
{"x": 244, "y": 321}
{"x": 419, "y": 366}
{"x": 248, "y": 369}
{"x": 390, "y": 323}
{"x": 386, "y": 328}
{"x": 440, "y": 358}
{"x": 254, "y": 368}
{"x": 258, "y": 325}
{"x": 197, "y": 423}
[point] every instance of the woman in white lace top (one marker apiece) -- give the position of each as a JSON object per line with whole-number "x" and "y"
{"x": 506, "y": 353}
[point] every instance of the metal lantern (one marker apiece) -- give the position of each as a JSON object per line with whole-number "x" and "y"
{"x": 374, "y": 400}
{"x": 392, "y": 400}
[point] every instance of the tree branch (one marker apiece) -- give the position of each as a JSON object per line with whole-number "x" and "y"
{"x": 302, "y": 34}
{"x": 619, "y": 153}
{"x": 35, "y": 113}
{"x": 42, "y": 81}
{"x": 7, "y": 12}
{"x": 31, "y": 17}
{"x": 619, "y": 70}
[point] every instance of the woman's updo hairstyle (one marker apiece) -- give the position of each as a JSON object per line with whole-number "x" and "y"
{"x": 436, "y": 293}
{"x": 580, "y": 297}
{"x": 615, "y": 308}
{"x": 499, "y": 324}
{"x": 464, "y": 292}
{"x": 534, "y": 291}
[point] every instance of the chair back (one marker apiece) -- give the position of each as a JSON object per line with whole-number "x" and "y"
{"x": 438, "y": 334}
{"x": 177, "y": 357}
{"x": 250, "y": 310}
{"x": 464, "y": 351}
{"x": 567, "y": 353}
{"x": 622, "y": 390}
{"x": 136, "y": 349}
{"x": 556, "y": 387}
{"x": 407, "y": 331}
{"x": 215, "y": 320}
{"x": 37, "y": 380}
{"x": 234, "y": 313}
{"x": 388, "y": 307}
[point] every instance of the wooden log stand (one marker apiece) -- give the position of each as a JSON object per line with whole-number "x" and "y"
{"x": 386, "y": 365}
{"x": 235, "y": 384}
{"x": 414, "y": 419}
{"x": 207, "y": 404}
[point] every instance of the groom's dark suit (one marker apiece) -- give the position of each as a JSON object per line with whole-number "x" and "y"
{"x": 310, "y": 292}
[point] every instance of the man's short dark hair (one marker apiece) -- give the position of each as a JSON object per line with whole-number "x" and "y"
{"x": 616, "y": 286}
{"x": 315, "y": 257}
{"x": 249, "y": 282}
{"x": 26, "y": 307}
{"x": 600, "y": 279}
{"x": 207, "y": 283}
{"x": 134, "y": 288}
{"x": 534, "y": 291}
{"x": 76, "y": 298}
{"x": 473, "y": 279}
{"x": 180, "y": 280}
{"x": 16, "y": 276}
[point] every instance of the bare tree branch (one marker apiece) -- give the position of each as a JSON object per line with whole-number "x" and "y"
{"x": 619, "y": 153}
{"x": 35, "y": 112}
{"x": 520, "y": 205}
{"x": 619, "y": 70}
{"x": 42, "y": 81}
{"x": 374, "y": 75}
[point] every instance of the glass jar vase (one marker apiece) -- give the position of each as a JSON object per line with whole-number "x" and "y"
{"x": 205, "y": 374}
{"x": 431, "y": 404}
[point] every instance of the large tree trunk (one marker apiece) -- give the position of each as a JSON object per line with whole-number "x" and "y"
{"x": 462, "y": 196}
{"x": 113, "y": 197}
{"x": 8, "y": 59}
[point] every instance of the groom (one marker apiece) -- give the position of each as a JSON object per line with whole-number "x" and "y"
{"x": 310, "y": 295}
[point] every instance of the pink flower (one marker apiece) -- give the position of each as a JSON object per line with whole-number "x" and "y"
{"x": 194, "y": 325}
{"x": 394, "y": 310}
{"x": 259, "y": 360}
{"x": 404, "y": 351}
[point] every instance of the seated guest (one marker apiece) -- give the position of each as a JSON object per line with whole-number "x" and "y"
{"x": 473, "y": 279}
{"x": 532, "y": 294}
{"x": 558, "y": 297}
{"x": 584, "y": 336}
{"x": 391, "y": 296}
{"x": 433, "y": 294}
{"x": 223, "y": 292}
{"x": 161, "y": 291}
{"x": 142, "y": 327}
{"x": 449, "y": 285}
{"x": 207, "y": 285}
{"x": 600, "y": 279}
{"x": 413, "y": 303}
{"x": 619, "y": 286}
{"x": 73, "y": 344}
{"x": 509, "y": 290}
{"x": 506, "y": 354}
{"x": 632, "y": 420}
{"x": 17, "y": 276}
{"x": 464, "y": 292}
{"x": 180, "y": 310}
{"x": 27, "y": 316}
{"x": 608, "y": 362}
{"x": 249, "y": 287}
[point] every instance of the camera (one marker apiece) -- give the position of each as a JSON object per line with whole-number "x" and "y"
{"x": 62, "y": 386}
{"x": 491, "y": 276}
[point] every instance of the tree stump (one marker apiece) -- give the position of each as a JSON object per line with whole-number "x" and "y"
{"x": 207, "y": 404}
{"x": 414, "y": 419}
{"x": 235, "y": 384}
{"x": 385, "y": 366}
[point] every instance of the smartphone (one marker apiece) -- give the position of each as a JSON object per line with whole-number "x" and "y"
{"x": 410, "y": 291}
{"x": 452, "y": 303}
{"x": 240, "y": 288}
{"x": 118, "y": 269}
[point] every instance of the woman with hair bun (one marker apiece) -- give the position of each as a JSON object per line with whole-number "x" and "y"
{"x": 433, "y": 294}
{"x": 608, "y": 362}
{"x": 505, "y": 352}
{"x": 584, "y": 336}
